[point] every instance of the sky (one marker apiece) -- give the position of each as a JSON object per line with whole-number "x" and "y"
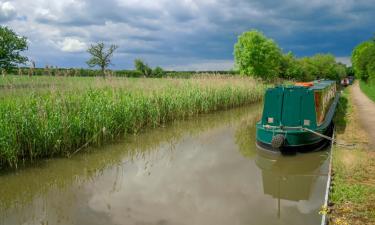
{"x": 184, "y": 34}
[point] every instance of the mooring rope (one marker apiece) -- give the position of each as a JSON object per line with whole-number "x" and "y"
{"x": 333, "y": 140}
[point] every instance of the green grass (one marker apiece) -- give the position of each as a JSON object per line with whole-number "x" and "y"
{"x": 368, "y": 88}
{"x": 65, "y": 114}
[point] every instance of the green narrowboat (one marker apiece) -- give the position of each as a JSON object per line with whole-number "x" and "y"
{"x": 298, "y": 117}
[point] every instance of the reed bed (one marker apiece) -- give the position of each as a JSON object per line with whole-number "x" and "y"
{"x": 62, "y": 121}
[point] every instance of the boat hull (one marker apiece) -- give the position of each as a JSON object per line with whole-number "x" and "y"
{"x": 297, "y": 139}
{"x": 301, "y": 142}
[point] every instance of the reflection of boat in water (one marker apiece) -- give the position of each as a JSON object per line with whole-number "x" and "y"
{"x": 288, "y": 178}
{"x": 297, "y": 117}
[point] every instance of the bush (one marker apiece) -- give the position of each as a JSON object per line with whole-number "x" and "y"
{"x": 142, "y": 68}
{"x": 158, "y": 72}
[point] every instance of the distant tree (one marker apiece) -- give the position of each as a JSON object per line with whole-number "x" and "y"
{"x": 290, "y": 67}
{"x": 11, "y": 46}
{"x": 100, "y": 56}
{"x": 257, "y": 55}
{"x": 142, "y": 67}
{"x": 350, "y": 71}
{"x": 326, "y": 66}
{"x": 309, "y": 70}
{"x": 321, "y": 66}
{"x": 341, "y": 71}
{"x": 158, "y": 72}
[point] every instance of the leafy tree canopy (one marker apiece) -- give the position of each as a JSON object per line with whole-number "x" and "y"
{"x": 257, "y": 55}
{"x": 142, "y": 67}
{"x": 363, "y": 60}
{"x": 100, "y": 56}
{"x": 158, "y": 72}
{"x": 11, "y": 47}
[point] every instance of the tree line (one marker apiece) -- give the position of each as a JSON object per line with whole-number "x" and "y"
{"x": 259, "y": 56}
{"x": 254, "y": 53}
{"x": 363, "y": 60}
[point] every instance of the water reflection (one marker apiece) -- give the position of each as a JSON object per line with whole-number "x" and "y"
{"x": 291, "y": 178}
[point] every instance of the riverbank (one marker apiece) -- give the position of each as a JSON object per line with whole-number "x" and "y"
{"x": 368, "y": 89}
{"x": 46, "y": 117}
{"x": 353, "y": 184}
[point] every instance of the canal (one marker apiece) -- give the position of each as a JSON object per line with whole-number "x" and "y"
{"x": 204, "y": 170}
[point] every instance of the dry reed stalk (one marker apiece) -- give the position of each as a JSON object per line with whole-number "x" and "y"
{"x": 31, "y": 69}
{"x": 57, "y": 71}
{"x": 76, "y": 73}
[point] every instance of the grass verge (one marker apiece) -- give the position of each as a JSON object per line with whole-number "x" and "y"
{"x": 69, "y": 114}
{"x": 353, "y": 181}
{"x": 368, "y": 88}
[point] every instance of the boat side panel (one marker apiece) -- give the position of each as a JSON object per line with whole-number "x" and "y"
{"x": 291, "y": 110}
{"x": 308, "y": 111}
{"x": 272, "y": 106}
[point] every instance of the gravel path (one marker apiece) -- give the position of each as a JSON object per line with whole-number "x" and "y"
{"x": 366, "y": 110}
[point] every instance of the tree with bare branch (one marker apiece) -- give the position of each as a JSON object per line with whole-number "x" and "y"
{"x": 100, "y": 56}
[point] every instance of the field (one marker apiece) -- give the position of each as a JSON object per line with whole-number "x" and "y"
{"x": 45, "y": 116}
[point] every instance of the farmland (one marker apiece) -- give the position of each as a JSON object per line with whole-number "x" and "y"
{"x": 59, "y": 116}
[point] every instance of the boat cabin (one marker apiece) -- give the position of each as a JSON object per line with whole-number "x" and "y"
{"x": 293, "y": 110}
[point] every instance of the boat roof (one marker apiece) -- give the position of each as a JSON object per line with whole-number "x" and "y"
{"x": 321, "y": 84}
{"x": 313, "y": 85}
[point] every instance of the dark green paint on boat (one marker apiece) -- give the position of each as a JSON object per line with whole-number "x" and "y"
{"x": 293, "y": 113}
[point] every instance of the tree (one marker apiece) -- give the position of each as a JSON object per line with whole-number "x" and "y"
{"x": 100, "y": 56}
{"x": 325, "y": 65}
{"x": 11, "y": 46}
{"x": 290, "y": 67}
{"x": 363, "y": 60}
{"x": 257, "y": 55}
{"x": 158, "y": 72}
{"x": 142, "y": 67}
{"x": 321, "y": 66}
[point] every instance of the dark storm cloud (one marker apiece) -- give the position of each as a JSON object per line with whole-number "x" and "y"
{"x": 164, "y": 30}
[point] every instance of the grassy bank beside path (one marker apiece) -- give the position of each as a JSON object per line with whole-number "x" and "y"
{"x": 368, "y": 88}
{"x": 353, "y": 181}
{"x": 46, "y": 116}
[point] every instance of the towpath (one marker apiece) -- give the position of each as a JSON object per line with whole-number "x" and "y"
{"x": 366, "y": 110}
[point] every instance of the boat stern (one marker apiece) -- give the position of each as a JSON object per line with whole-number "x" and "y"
{"x": 290, "y": 140}
{"x": 296, "y": 117}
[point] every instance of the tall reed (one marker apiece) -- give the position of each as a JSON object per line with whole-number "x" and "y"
{"x": 60, "y": 122}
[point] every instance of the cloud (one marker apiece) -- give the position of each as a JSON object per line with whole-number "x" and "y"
{"x": 72, "y": 45}
{"x": 190, "y": 33}
{"x": 7, "y": 11}
{"x": 345, "y": 60}
{"x": 208, "y": 65}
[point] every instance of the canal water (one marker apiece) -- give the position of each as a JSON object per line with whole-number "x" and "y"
{"x": 204, "y": 170}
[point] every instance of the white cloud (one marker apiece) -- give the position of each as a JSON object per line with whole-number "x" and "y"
{"x": 7, "y": 11}
{"x": 346, "y": 60}
{"x": 207, "y": 65}
{"x": 72, "y": 45}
